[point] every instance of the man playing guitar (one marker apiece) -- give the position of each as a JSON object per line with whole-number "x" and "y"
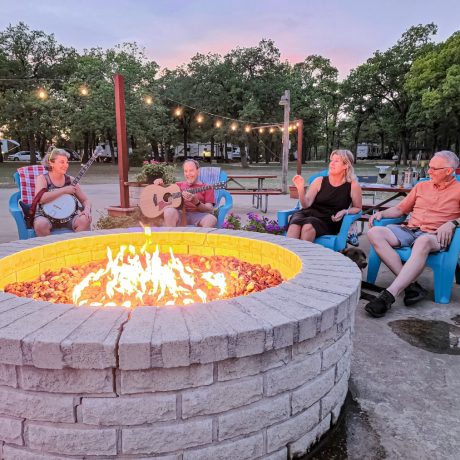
{"x": 199, "y": 206}
{"x": 58, "y": 183}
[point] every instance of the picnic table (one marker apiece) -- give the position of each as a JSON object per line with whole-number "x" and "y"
{"x": 258, "y": 192}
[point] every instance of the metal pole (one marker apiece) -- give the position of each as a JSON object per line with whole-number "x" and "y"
{"x": 299, "y": 146}
{"x": 286, "y": 101}
{"x": 122, "y": 145}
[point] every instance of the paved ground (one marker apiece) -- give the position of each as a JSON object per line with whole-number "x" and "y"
{"x": 411, "y": 396}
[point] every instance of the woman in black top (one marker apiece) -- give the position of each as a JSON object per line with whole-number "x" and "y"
{"x": 327, "y": 200}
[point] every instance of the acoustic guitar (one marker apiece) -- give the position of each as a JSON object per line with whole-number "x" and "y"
{"x": 155, "y": 198}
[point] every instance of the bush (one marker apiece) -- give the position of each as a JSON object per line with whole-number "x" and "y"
{"x": 108, "y": 222}
{"x": 137, "y": 158}
{"x": 152, "y": 170}
{"x": 255, "y": 223}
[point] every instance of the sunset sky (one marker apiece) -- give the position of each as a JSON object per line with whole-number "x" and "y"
{"x": 172, "y": 31}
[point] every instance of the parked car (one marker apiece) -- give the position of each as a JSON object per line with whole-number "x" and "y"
{"x": 23, "y": 155}
{"x": 73, "y": 155}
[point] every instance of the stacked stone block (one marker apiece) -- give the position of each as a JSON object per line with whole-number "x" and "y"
{"x": 261, "y": 376}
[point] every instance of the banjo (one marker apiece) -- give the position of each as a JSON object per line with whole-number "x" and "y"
{"x": 64, "y": 208}
{"x": 155, "y": 198}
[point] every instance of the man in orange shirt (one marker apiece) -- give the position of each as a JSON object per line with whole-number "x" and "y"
{"x": 435, "y": 213}
{"x": 199, "y": 206}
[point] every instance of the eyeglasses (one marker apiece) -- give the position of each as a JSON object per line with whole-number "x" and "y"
{"x": 437, "y": 169}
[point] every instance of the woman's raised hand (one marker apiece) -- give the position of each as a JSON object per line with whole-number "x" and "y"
{"x": 298, "y": 181}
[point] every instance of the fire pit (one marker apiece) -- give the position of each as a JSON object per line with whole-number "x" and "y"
{"x": 256, "y": 376}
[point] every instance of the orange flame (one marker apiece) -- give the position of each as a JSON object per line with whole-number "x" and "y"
{"x": 131, "y": 279}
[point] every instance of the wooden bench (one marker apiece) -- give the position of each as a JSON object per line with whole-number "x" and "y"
{"x": 257, "y": 196}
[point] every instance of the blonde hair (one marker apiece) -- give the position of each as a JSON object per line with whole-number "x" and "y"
{"x": 50, "y": 157}
{"x": 347, "y": 159}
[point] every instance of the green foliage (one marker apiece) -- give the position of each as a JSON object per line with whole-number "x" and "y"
{"x": 108, "y": 222}
{"x": 254, "y": 223}
{"x": 152, "y": 170}
{"x": 137, "y": 158}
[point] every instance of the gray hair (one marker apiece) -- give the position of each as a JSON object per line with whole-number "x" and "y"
{"x": 450, "y": 157}
{"x": 51, "y": 156}
{"x": 347, "y": 158}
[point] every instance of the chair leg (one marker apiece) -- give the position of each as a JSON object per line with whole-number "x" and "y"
{"x": 373, "y": 266}
{"x": 457, "y": 273}
{"x": 443, "y": 281}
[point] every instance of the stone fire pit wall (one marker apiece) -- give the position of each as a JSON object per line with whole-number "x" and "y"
{"x": 261, "y": 376}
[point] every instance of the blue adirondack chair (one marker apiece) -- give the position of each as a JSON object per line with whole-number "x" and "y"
{"x": 445, "y": 264}
{"x": 211, "y": 175}
{"x": 17, "y": 213}
{"x": 334, "y": 242}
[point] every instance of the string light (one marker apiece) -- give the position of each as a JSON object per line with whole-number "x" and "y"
{"x": 233, "y": 126}
{"x": 271, "y": 130}
{"x": 178, "y": 112}
{"x": 148, "y": 100}
{"x": 42, "y": 94}
{"x": 261, "y": 130}
{"x": 84, "y": 91}
{"x": 218, "y": 123}
{"x": 200, "y": 118}
{"x": 247, "y": 129}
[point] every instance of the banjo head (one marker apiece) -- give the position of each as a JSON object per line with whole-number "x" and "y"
{"x": 61, "y": 208}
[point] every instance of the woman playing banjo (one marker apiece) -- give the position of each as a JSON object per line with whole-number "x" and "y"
{"x": 58, "y": 184}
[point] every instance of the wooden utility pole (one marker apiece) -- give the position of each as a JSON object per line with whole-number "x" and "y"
{"x": 286, "y": 102}
{"x": 299, "y": 146}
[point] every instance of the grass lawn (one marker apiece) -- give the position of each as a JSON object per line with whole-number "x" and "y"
{"x": 106, "y": 173}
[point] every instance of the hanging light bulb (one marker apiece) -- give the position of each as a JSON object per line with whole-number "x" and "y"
{"x": 200, "y": 118}
{"x": 290, "y": 128}
{"x": 247, "y": 129}
{"x": 233, "y": 126}
{"x": 297, "y": 124}
{"x": 271, "y": 130}
{"x": 148, "y": 100}
{"x": 84, "y": 91}
{"x": 178, "y": 112}
{"x": 218, "y": 123}
{"x": 261, "y": 130}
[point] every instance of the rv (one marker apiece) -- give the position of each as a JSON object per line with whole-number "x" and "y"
{"x": 368, "y": 151}
{"x": 202, "y": 151}
{"x": 8, "y": 146}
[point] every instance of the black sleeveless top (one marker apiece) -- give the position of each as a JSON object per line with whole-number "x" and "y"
{"x": 330, "y": 200}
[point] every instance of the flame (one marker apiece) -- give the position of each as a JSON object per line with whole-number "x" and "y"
{"x": 130, "y": 279}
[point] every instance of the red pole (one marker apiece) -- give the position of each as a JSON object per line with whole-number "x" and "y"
{"x": 122, "y": 145}
{"x": 299, "y": 146}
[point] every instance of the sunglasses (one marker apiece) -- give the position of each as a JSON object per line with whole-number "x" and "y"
{"x": 437, "y": 169}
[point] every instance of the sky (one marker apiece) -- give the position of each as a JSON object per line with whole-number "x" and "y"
{"x": 172, "y": 31}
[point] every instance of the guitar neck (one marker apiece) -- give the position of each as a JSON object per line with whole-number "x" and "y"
{"x": 194, "y": 190}
{"x": 83, "y": 170}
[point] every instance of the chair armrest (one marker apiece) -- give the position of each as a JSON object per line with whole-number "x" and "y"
{"x": 283, "y": 216}
{"x": 18, "y": 216}
{"x": 348, "y": 219}
{"x": 223, "y": 210}
{"x": 389, "y": 220}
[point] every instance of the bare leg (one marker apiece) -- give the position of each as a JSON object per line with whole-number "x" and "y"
{"x": 81, "y": 223}
{"x": 208, "y": 221}
{"x": 384, "y": 240}
{"x": 308, "y": 233}
{"x": 415, "y": 264}
{"x": 293, "y": 231}
{"x": 42, "y": 226}
{"x": 171, "y": 216}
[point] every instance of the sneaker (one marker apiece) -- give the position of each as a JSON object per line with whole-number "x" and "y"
{"x": 380, "y": 305}
{"x": 413, "y": 294}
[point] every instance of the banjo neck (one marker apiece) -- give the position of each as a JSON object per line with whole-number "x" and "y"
{"x": 83, "y": 169}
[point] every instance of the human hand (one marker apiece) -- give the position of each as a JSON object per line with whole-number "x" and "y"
{"x": 298, "y": 181}
{"x": 69, "y": 189}
{"x": 158, "y": 181}
{"x": 338, "y": 216}
{"x": 187, "y": 195}
{"x": 444, "y": 234}
{"x": 377, "y": 216}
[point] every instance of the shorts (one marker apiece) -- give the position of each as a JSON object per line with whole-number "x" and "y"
{"x": 69, "y": 224}
{"x": 193, "y": 218}
{"x": 405, "y": 235}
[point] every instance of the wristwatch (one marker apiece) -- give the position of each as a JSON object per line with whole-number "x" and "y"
{"x": 455, "y": 222}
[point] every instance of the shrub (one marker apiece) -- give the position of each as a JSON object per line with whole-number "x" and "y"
{"x": 152, "y": 170}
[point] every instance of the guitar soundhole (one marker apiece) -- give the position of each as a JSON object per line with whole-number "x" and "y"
{"x": 167, "y": 197}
